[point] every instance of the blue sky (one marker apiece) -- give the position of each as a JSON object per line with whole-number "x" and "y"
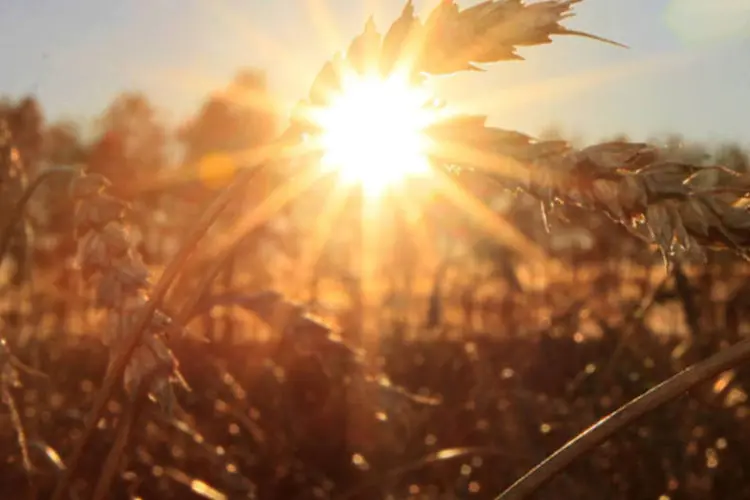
{"x": 687, "y": 71}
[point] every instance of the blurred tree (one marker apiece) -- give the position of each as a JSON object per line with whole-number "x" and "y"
{"x": 62, "y": 144}
{"x": 556, "y": 132}
{"x": 733, "y": 156}
{"x": 621, "y": 137}
{"x": 675, "y": 147}
{"x": 132, "y": 145}
{"x": 241, "y": 117}
{"x": 108, "y": 158}
{"x": 208, "y": 132}
{"x": 552, "y": 132}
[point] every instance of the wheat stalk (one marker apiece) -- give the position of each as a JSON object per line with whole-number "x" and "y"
{"x": 149, "y": 314}
{"x": 450, "y": 40}
{"x": 105, "y": 251}
{"x": 681, "y": 207}
{"x": 254, "y": 163}
{"x": 107, "y": 258}
{"x": 599, "y": 432}
{"x": 132, "y": 339}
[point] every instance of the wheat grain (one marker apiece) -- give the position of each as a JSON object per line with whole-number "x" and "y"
{"x": 683, "y": 208}
{"x": 105, "y": 252}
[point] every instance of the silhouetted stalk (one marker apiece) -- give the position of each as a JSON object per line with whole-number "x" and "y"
{"x": 656, "y": 397}
{"x": 227, "y": 325}
{"x": 15, "y": 418}
{"x": 276, "y": 201}
{"x": 122, "y": 438}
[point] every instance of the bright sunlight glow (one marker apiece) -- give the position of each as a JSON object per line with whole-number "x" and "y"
{"x": 373, "y": 132}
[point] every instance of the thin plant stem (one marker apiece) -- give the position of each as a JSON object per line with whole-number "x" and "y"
{"x": 15, "y": 417}
{"x": 275, "y": 202}
{"x": 656, "y": 397}
{"x": 122, "y": 438}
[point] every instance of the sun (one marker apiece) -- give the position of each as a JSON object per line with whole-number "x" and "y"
{"x": 372, "y": 132}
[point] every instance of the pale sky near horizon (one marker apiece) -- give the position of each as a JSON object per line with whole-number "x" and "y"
{"x": 687, "y": 69}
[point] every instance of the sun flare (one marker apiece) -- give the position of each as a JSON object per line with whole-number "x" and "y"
{"x": 372, "y": 132}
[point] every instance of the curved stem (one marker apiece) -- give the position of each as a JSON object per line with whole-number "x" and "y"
{"x": 586, "y": 441}
{"x": 23, "y": 446}
{"x": 18, "y": 210}
{"x": 272, "y": 204}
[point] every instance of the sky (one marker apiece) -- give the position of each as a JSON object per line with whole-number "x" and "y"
{"x": 687, "y": 69}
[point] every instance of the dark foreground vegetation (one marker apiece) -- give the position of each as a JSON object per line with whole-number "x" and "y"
{"x": 506, "y": 402}
{"x": 493, "y": 384}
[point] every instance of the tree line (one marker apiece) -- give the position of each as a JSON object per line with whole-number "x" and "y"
{"x": 131, "y": 142}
